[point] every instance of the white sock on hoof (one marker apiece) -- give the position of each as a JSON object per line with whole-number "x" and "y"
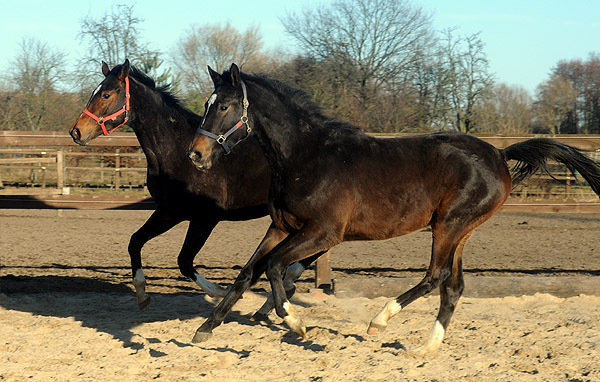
{"x": 390, "y": 309}
{"x": 139, "y": 282}
{"x": 433, "y": 342}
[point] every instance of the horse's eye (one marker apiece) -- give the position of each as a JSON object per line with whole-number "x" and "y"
{"x": 223, "y": 108}
{"x": 106, "y": 96}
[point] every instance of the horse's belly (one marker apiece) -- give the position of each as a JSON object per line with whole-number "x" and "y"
{"x": 385, "y": 224}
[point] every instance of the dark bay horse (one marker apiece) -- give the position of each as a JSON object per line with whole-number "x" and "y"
{"x": 231, "y": 191}
{"x": 331, "y": 183}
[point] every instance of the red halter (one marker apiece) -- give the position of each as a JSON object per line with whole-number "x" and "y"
{"x": 113, "y": 116}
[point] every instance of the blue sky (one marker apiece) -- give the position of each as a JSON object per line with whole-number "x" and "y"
{"x": 523, "y": 39}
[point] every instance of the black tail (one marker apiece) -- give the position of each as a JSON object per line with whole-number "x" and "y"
{"x": 533, "y": 153}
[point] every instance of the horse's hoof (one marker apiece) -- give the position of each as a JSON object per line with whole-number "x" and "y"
{"x": 201, "y": 337}
{"x": 259, "y": 317}
{"x": 376, "y": 328}
{"x": 296, "y": 325}
{"x": 301, "y": 332}
{"x": 143, "y": 305}
{"x": 421, "y": 351}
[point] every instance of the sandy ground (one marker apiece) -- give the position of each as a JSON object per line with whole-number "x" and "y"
{"x": 68, "y": 313}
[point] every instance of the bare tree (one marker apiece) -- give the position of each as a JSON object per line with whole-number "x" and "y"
{"x": 555, "y": 99}
{"x": 507, "y": 110}
{"x": 466, "y": 77}
{"x": 381, "y": 38}
{"x": 112, "y": 37}
{"x": 36, "y": 74}
{"x": 585, "y": 77}
{"x": 217, "y": 46}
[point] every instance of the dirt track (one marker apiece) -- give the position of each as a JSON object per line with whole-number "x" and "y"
{"x": 68, "y": 313}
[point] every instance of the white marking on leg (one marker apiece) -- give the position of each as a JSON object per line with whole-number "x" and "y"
{"x": 287, "y": 307}
{"x": 390, "y": 309}
{"x": 139, "y": 282}
{"x": 293, "y": 272}
{"x": 211, "y": 289}
{"x": 294, "y": 322}
{"x": 433, "y": 342}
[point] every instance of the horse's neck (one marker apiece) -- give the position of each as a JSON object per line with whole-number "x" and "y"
{"x": 280, "y": 137}
{"x": 279, "y": 142}
{"x": 162, "y": 133}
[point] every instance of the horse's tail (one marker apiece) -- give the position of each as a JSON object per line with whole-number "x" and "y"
{"x": 531, "y": 156}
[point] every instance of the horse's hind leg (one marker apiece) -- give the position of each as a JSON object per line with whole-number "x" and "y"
{"x": 450, "y": 292}
{"x": 157, "y": 224}
{"x": 439, "y": 270}
{"x": 292, "y": 274}
{"x": 197, "y": 234}
{"x": 445, "y": 257}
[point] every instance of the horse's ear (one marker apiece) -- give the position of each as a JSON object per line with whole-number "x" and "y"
{"x": 235, "y": 75}
{"x": 124, "y": 69}
{"x": 105, "y": 69}
{"x": 216, "y": 77}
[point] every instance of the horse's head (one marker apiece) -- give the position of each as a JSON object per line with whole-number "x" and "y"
{"x": 225, "y": 122}
{"x": 108, "y": 107}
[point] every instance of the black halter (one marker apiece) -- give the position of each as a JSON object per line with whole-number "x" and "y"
{"x": 223, "y": 137}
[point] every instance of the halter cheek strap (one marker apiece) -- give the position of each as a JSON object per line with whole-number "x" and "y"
{"x": 223, "y": 137}
{"x": 113, "y": 116}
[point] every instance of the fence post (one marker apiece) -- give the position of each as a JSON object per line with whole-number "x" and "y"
{"x": 323, "y": 272}
{"x": 60, "y": 170}
{"x": 117, "y": 168}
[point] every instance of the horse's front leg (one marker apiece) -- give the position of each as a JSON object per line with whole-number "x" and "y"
{"x": 309, "y": 241}
{"x": 248, "y": 275}
{"x": 198, "y": 232}
{"x": 157, "y": 224}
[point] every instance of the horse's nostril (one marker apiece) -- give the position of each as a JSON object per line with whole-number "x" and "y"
{"x": 195, "y": 155}
{"x": 76, "y": 134}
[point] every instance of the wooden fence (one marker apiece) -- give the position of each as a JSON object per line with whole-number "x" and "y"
{"x": 49, "y": 163}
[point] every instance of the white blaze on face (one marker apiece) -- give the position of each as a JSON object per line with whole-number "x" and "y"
{"x": 97, "y": 90}
{"x": 212, "y": 99}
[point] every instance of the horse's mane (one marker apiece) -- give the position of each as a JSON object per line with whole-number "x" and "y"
{"x": 302, "y": 102}
{"x": 164, "y": 91}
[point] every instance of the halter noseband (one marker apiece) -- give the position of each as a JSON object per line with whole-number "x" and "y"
{"x": 113, "y": 116}
{"x": 223, "y": 137}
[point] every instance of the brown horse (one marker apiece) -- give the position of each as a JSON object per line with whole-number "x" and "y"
{"x": 232, "y": 191}
{"x": 331, "y": 183}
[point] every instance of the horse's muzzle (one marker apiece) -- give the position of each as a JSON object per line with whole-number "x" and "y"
{"x": 198, "y": 160}
{"x": 75, "y": 133}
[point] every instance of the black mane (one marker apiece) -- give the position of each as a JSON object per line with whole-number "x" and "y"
{"x": 165, "y": 91}
{"x": 302, "y": 102}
